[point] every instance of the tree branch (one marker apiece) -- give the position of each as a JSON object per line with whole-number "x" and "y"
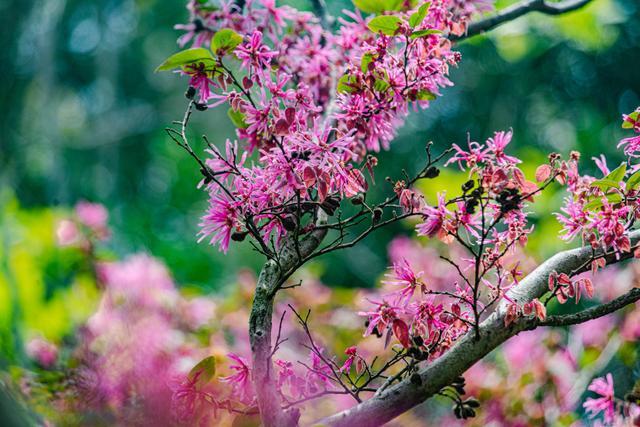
{"x": 595, "y": 312}
{"x": 272, "y": 276}
{"x": 468, "y": 350}
{"x": 519, "y": 9}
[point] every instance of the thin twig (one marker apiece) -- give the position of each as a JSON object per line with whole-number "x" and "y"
{"x": 517, "y": 10}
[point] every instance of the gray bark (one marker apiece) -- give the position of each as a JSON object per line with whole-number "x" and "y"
{"x": 271, "y": 278}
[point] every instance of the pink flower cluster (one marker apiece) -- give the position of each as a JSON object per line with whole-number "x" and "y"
{"x": 497, "y": 191}
{"x": 606, "y": 402}
{"x": 602, "y": 211}
{"x": 134, "y": 345}
{"x": 418, "y": 317}
{"x": 485, "y": 226}
{"x": 632, "y": 144}
{"x": 89, "y": 223}
{"x": 311, "y": 103}
{"x": 42, "y": 351}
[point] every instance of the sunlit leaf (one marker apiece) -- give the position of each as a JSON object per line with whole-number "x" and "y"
{"x": 416, "y": 18}
{"x": 225, "y": 41}
{"x": 386, "y": 24}
{"x": 204, "y": 371}
{"x": 425, "y": 95}
{"x": 347, "y": 83}
{"x": 424, "y": 33}
{"x": 381, "y": 85}
{"x": 367, "y": 59}
{"x": 605, "y": 184}
{"x": 185, "y": 57}
{"x": 633, "y": 117}
{"x": 599, "y": 202}
{"x": 634, "y": 180}
{"x": 378, "y": 6}
{"x": 237, "y": 118}
{"x": 617, "y": 174}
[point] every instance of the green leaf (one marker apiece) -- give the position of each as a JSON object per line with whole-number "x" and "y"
{"x": 381, "y": 85}
{"x": 633, "y": 116}
{"x": 367, "y": 59}
{"x": 598, "y": 203}
{"x": 617, "y": 174}
{"x": 424, "y": 33}
{"x": 347, "y": 83}
{"x": 186, "y": 57}
{"x": 634, "y": 180}
{"x": 604, "y": 184}
{"x": 204, "y": 371}
{"x": 225, "y": 41}
{"x": 385, "y": 24}
{"x": 237, "y": 118}
{"x": 378, "y": 6}
{"x": 425, "y": 95}
{"x": 417, "y": 17}
{"x": 246, "y": 421}
{"x": 203, "y": 5}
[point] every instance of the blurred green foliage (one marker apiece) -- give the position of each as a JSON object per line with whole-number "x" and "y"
{"x": 83, "y": 118}
{"x": 44, "y": 290}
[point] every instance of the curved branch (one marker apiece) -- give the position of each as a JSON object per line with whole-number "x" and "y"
{"x": 468, "y": 350}
{"x": 519, "y": 9}
{"x": 595, "y": 312}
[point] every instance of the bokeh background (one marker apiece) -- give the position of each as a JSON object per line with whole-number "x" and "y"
{"x": 83, "y": 115}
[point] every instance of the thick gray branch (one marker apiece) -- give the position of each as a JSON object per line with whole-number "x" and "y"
{"x": 271, "y": 278}
{"x": 467, "y": 350}
{"x": 517, "y": 10}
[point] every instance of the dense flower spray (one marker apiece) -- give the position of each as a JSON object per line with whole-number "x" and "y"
{"x": 311, "y": 104}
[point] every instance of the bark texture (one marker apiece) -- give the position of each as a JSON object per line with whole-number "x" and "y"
{"x": 272, "y": 276}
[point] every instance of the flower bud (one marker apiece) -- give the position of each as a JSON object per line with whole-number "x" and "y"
{"x": 376, "y": 215}
{"x": 239, "y": 236}
{"x": 358, "y": 199}
{"x": 432, "y": 172}
{"x": 467, "y": 185}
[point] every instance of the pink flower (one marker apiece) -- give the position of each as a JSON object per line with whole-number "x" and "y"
{"x": 403, "y": 275}
{"x": 434, "y": 219}
{"x": 381, "y": 317}
{"x": 186, "y": 399}
{"x": 428, "y": 314}
{"x": 219, "y": 222}
{"x": 470, "y": 158}
{"x": 498, "y": 144}
{"x": 631, "y": 146}
{"x": 93, "y": 215}
{"x": 351, "y": 353}
{"x": 200, "y": 79}
{"x": 67, "y": 233}
{"x": 241, "y": 380}
{"x": 42, "y": 351}
{"x": 254, "y": 54}
{"x": 605, "y": 403}
{"x": 319, "y": 374}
